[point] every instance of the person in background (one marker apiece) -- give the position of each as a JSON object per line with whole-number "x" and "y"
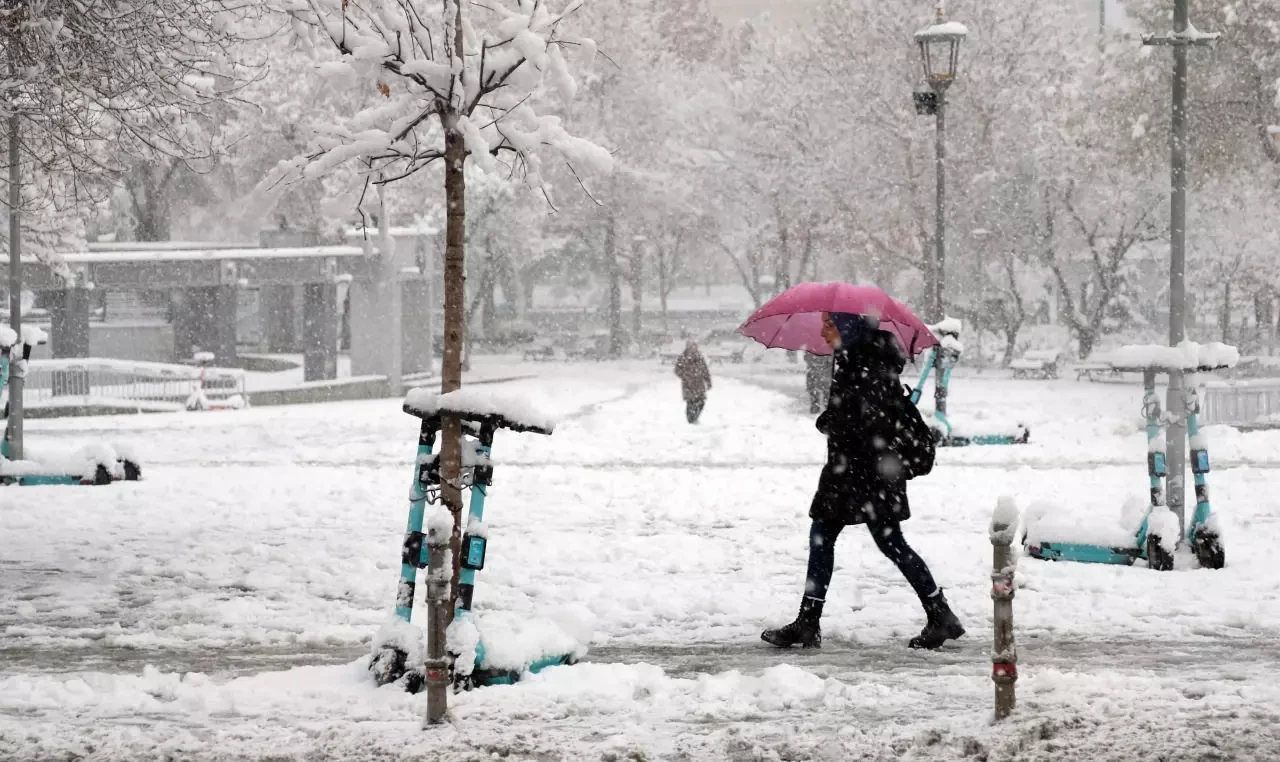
{"x": 695, "y": 380}
{"x": 817, "y": 380}
{"x": 876, "y": 441}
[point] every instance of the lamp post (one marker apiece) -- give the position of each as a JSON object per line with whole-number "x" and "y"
{"x": 940, "y": 51}
{"x": 1184, "y": 36}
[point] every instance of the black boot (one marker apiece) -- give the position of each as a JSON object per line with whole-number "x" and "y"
{"x": 942, "y": 625}
{"x": 805, "y": 631}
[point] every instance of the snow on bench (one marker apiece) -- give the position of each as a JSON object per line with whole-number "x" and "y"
{"x": 517, "y": 413}
{"x": 1186, "y": 356}
{"x": 1038, "y": 363}
{"x": 1094, "y": 371}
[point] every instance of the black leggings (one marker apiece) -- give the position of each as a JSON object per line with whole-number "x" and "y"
{"x": 888, "y": 538}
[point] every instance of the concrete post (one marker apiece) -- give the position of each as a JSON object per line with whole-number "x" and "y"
{"x": 1004, "y": 654}
{"x": 416, "y": 326}
{"x": 221, "y": 330}
{"x": 320, "y": 331}
{"x": 275, "y": 308}
{"x": 205, "y": 317}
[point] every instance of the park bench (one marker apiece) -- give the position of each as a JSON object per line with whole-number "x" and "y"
{"x": 1039, "y": 363}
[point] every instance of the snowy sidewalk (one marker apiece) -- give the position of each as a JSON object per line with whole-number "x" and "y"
{"x": 269, "y": 538}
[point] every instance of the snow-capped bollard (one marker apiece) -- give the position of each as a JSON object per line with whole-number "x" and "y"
{"x": 1004, "y": 655}
{"x": 437, "y": 670}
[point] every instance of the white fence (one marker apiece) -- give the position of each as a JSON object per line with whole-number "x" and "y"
{"x": 90, "y": 381}
{"x": 1241, "y": 402}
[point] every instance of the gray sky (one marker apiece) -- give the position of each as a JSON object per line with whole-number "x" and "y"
{"x": 732, "y": 10}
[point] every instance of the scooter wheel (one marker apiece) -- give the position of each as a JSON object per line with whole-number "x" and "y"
{"x": 101, "y": 475}
{"x": 132, "y": 471}
{"x": 1157, "y": 557}
{"x": 388, "y": 666}
{"x": 1208, "y": 549}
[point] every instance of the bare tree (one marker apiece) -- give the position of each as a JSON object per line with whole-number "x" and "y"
{"x": 1091, "y": 285}
{"x": 460, "y": 81}
{"x": 89, "y": 85}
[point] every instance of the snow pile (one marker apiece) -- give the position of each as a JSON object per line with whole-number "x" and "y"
{"x": 518, "y": 410}
{"x": 514, "y": 641}
{"x": 462, "y": 639}
{"x": 1164, "y": 524}
{"x": 1004, "y": 521}
{"x": 33, "y": 335}
{"x": 82, "y": 462}
{"x": 951, "y": 326}
{"x": 1050, "y": 522}
{"x": 978, "y": 425}
{"x": 440, "y": 521}
{"x": 1188, "y": 355}
{"x": 407, "y": 638}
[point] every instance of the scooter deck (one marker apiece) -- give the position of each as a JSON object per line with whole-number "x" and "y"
{"x": 1085, "y": 554}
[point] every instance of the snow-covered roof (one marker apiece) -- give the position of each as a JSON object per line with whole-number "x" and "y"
{"x": 397, "y": 231}
{"x": 165, "y": 245}
{"x": 189, "y": 255}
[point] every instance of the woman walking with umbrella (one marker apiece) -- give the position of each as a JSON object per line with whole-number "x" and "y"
{"x": 876, "y": 441}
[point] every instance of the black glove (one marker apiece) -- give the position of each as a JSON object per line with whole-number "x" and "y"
{"x": 823, "y": 421}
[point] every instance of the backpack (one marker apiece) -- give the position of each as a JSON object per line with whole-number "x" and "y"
{"x": 914, "y": 441}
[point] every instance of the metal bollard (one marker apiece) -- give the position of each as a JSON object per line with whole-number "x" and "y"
{"x": 1004, "y": 655}
{"x": 437, "y": 668}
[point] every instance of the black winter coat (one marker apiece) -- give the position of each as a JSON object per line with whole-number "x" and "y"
{"x": 862, "y": 479}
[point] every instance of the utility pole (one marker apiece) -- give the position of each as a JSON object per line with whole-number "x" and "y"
{"x": 1184, "y": 36}
{"x": 940, "y": 53}
{"x": 17, "y": 366}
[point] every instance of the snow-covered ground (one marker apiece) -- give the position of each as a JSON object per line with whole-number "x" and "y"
{"x": 222, "y": 608}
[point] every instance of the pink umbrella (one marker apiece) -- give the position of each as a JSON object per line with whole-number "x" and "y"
{"x": 793, "y": 319}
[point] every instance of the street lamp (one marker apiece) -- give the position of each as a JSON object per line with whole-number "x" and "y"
{"x": 940, "y": 52}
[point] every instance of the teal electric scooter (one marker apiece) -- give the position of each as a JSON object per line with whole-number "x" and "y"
{"x": 946, "y": 356}
{"x": 389, "y": 664}
{"x": 28, "y": 473}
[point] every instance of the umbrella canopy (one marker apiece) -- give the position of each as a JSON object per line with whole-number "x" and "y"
{"x": 793, "y": 319}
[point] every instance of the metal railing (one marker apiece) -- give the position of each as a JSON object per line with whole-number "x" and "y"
{"x": 90, "y": 381}
{"x": 1240, "y": 402}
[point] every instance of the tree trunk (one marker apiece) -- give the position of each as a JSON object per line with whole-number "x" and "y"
{"x": 1010, "y": 343}
{"x": 455, "y": 295}
{"x": 637, "y": 295}
{"x": 1226, "y": 312}
{"x": 615, "y": 286}
{"x": 477, "y": 303}
{"x": 1087, "y": 338}
{"x": 662, "y": 293}
{"x": 149, "y": 194}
